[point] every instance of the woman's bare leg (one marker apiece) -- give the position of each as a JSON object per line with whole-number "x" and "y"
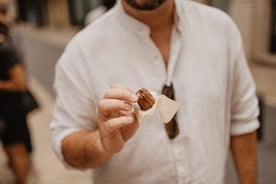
{"x": 19, "y": 160}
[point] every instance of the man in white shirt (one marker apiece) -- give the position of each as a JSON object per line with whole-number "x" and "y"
{"x": 151, "y": 44}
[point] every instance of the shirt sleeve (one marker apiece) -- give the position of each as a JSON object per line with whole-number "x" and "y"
{"x": 244, "y": 104}
{"x": 74, "y": 106}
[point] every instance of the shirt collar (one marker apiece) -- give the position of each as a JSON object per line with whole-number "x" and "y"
{"x": 177, "y": 18}
{"x": 129, "y": 22}
{"x": 139, "y": 27}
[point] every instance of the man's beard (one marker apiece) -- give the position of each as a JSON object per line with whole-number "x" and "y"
{"x": 151, "y": 5}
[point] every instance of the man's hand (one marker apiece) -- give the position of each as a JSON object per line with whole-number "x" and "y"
{"x": 117, "y": 123}
{"x": 116, "y": 119}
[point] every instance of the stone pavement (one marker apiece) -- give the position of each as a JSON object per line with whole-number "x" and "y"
{"x": 49, "y": 170}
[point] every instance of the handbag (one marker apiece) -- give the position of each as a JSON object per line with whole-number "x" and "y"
{"x": 29, "y": 102}
{"x": 2, "y": 127}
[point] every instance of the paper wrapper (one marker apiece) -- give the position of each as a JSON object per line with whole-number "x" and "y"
{"x": 166, "y": 107}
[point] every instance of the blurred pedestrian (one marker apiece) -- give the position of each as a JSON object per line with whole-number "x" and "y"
{"x": 9, "y": 8}
{"x": 15, "y": 137}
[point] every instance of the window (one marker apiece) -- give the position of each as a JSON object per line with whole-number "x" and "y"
{"x": 32, "y": 11}
{"x": 79, "y": 8}
{"x": 273, "y": 27}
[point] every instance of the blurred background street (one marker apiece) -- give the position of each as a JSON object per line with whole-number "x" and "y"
{"x": 42, "y": 36}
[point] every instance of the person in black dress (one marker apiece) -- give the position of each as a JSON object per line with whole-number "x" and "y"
{"x": 15, "y": 136}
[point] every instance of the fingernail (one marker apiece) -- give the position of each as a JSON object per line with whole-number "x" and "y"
{"x": 128, "y": 106}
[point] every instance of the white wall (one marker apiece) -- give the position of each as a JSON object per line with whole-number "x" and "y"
{"x": 41, "y": 50}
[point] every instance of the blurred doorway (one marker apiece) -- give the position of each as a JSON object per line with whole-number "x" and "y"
{"x": 273, "y": 27}
{"x": 32, "y": 11}
{"x": 79, "y": 8}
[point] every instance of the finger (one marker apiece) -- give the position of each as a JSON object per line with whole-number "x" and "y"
{"x": 117, "y": 123}
{"x": 121, "y": 94}
{"x": 125, "y": 113}
{"x": 116, "y": 85}
{"x": 106, "y": 106}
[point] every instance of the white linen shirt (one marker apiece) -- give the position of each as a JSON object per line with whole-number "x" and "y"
{"x": 211, "y": 79}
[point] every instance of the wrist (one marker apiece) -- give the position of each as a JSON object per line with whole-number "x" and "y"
{"x": 102, "y": 146}
{"x": 94, "y": 152}
{"x": 248, "y": 181}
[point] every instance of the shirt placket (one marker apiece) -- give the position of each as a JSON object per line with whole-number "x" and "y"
{"x": 167, "y": 75}
{"x": 159, "y": 68}
{"x": 177, "y": 143}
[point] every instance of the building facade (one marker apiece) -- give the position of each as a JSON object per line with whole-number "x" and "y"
{"x": 255, "y": 18}
{"x": 56, "y": 14}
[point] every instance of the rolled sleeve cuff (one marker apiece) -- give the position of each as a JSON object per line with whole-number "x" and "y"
{"x": 240, "y": 128}
{"x": 57, "y": 144}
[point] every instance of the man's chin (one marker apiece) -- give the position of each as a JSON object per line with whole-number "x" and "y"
{"x": 152, "y": 5}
